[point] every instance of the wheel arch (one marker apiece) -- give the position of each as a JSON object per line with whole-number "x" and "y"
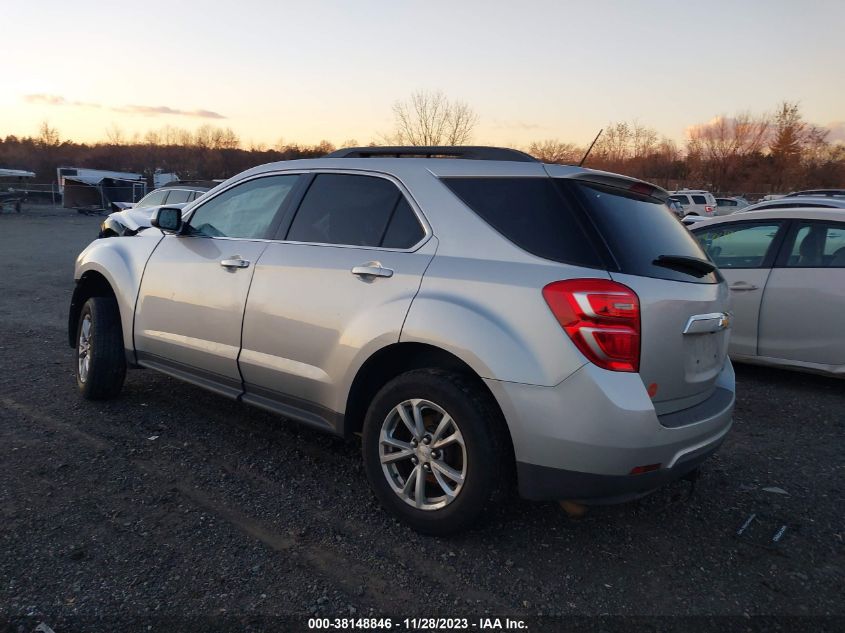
{"x": 91, "y": 284}
{"x": 396, "y": 359}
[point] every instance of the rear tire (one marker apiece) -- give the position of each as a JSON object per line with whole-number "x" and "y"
{"x": 469, "y": 446}
{"x": 101, "y": 360}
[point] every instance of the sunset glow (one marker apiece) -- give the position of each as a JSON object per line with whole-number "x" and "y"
{"x": 304, "y": 72}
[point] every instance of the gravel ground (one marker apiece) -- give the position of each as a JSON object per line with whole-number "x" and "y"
{"x": 171, "y": 504}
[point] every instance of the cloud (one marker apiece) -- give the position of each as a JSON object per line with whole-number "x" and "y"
{"x": 57, "y": 100}
{"x": 516, "y": 125}
{"x": 45, "y": 99}
{"x": 157, "y": 110}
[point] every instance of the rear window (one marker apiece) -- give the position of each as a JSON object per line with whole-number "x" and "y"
{"x": 531, "y": 213}
{"x": 638, "y": 229}
{"x": 699, "y": 200}
{"x": 177, "y": 196}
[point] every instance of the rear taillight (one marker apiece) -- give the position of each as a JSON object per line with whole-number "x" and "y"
{"x": 708, "y": 209}
{"x": 601, "y": 317}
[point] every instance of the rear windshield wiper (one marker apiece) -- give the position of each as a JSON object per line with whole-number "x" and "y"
{"x": 682, "y": 263}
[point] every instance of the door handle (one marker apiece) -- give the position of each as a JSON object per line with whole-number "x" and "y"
{"x": 742, "y": 286}
{"x": 372, "y": 269}
{"x": 234, "y": 262}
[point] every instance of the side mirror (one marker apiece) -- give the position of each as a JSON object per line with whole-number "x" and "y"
{"x": 168, "y": 219}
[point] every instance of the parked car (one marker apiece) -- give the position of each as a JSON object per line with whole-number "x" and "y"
{"x": 676, "y": 207}
{"x": 815, "y": 193}
{"x": 473, "y": 319}
{"x": 777, "y": 203}
{"x": 726, "y": 206}
{"x": 130, "y": 218}
{"x": 696, "y": 201}
{"x": 795, "y": 202}
{"x": 786, "y": 272}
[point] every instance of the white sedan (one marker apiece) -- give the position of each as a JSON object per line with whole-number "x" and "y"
{"x": 786, "y": 272}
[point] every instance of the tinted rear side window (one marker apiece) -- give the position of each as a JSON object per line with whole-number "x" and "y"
{"x": 404, "y": 229}
{"x": 531, "y": 213}
{"x": 638, "y": 229}
{"x": 178, "y": 195}
{"x": 699, "y": 200}
{"x": 345, "y": 209}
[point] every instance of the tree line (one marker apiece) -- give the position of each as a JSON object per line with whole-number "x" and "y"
{"x": 744, "y": 153}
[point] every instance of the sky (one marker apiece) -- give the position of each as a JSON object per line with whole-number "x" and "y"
{"x": 330, "y": 69}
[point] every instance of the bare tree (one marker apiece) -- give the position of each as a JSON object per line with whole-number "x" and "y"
{"x": 556, "y": 151}
{"x": 115, "y": 135}
{"x": 431, "y": 118}
{"x": 793, "y": 142}
{"x": 47, "y": 136}
{"x": 725, "y": 144}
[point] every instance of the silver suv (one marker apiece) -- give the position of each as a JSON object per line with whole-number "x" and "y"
{"x": 476, "y": 320}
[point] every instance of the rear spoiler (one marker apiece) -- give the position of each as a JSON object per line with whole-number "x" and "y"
{"x": 621, "y": 182}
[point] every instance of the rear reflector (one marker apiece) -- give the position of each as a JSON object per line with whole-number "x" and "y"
{"x": 639, "y": 470}
{"x": 601, "y": 317}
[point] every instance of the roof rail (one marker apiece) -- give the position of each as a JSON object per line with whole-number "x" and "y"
{"x": 436, "y": 151}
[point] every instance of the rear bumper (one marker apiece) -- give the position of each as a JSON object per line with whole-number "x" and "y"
{"x": 544, "y": 483}
{"x": 581, "y": 439}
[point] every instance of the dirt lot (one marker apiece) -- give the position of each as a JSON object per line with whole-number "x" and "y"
{"x": 173, "y": 504}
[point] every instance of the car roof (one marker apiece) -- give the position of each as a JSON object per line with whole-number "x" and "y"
{"x": 816, "y": 193}
{"x": 443, "y": 167}
{"x": 796, "y": 213}
{"x": 797, "y": 200}
{"x": 202, "y": 185}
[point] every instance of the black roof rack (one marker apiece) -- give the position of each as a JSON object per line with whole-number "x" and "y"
{"x": 434, "y": 151}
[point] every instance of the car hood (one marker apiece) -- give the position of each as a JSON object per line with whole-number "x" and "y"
{"x": 137, "y": 219}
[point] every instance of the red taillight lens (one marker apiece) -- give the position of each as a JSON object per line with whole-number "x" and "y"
{"x": 708, "y": 209}
{"x": 601, "y": 317}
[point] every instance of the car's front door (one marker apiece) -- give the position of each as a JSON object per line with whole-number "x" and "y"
{"x": 801, "y": 318}
{"x": 335, "y": 287}
{"x": 744, "y": 252}
{"x": 190, "y": 306}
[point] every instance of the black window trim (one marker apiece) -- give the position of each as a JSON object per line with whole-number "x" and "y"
{"x": 791, "y": 235}
{"x": 774, "y": 250}
{"x": 283, "y": 229}
{"x": 281, "y": 212}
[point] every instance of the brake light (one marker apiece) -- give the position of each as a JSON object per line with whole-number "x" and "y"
{"x": 602, "y": 318}
{"x": 708, "y": 209}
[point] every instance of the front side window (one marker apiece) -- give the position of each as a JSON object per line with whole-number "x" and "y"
{"x": 245, "y": 211}
{"x": 355, "y": 211}
{"x": 738, "y": 245}
{"x": 818, "y": 245}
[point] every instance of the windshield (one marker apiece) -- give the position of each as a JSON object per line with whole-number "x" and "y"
{"x": 639, "y": 230}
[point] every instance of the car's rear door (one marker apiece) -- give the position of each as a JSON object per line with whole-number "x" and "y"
{"x": 801, "y": 317}
{"x": 744, "y": 252}
{"x": 192, "y": 296}
{"x": 335, "y": 287}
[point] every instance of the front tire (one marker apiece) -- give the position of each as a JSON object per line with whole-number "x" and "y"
{"x": 101, "y": 360}
{"x": 434, "y": 450}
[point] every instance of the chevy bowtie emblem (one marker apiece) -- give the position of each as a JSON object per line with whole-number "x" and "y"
{"x": 708, "y": 323}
